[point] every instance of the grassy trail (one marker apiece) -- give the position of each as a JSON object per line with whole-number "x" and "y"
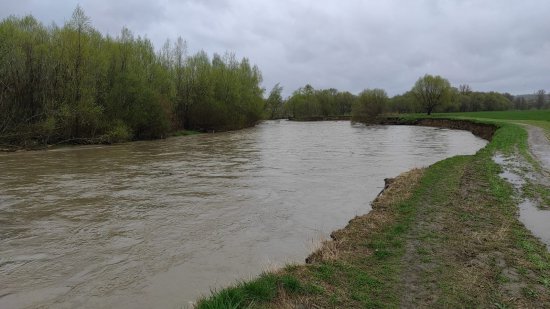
{"x": 444, "y": 237}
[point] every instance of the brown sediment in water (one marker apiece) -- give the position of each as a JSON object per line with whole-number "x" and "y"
{"x": 271, "y": 185}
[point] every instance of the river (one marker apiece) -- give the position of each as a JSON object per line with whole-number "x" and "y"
{"x": 157, "y": 224}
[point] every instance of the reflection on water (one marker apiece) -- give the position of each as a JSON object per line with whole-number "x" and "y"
{"x": 156, "y": 224}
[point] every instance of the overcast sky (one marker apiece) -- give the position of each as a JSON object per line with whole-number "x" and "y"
{"x": 500, "y": 45}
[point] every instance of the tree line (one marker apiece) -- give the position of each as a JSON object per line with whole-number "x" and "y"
{"x": 73, "y": 84}
{"x": 428, "y": 95}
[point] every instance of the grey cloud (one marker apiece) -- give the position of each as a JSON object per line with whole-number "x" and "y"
{"x": 499, "y": 45}
{"x": 137, "y": 15}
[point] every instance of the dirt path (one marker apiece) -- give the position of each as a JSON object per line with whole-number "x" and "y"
{"x": 539, "y": 146}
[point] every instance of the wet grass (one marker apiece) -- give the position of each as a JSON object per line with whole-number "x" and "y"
{"x": 538, "y": 192}
{"x": 260, "y": 291}
{"x": 446, "y": 236}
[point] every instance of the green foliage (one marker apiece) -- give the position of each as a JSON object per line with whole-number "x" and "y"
{"x": 291, "y": 283}
{"x": 433, "y": 94}
{"x": 72, "y": 84}
{"x": 260, "y": 290}
{"x": 274, "y": 103}
{"x": 479, "y": 101}
{"x": 369, "y": 105}
{"x": 431, "y": 91}
{"x": 118, "y": 133}
{"x": 404, "y": 104}
{"x": 308, "y": 103}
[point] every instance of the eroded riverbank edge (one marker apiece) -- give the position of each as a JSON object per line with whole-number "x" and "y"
{"x": 480, "y": 129}
{"x": 456, "y": 241}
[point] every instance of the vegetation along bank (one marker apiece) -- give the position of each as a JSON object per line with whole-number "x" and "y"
{"x": 444, "y": 236}
{"x": 72, "y": 84}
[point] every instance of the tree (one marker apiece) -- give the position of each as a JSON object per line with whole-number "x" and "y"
{"x": 72, "y": 84}
{"x": 81, "y": 24}
{"x": 178, "y": 57}
{"x": 541, "y": 98}
{"x": 274, "y": 102}
{"x": 431, "y": 91}
{"x": 344, "y": 101}
{"x": 464, "y": 89}
{"x": 405, "y": 103}
{"x": 369, "y": 105}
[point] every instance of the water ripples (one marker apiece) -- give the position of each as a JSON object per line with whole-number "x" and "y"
{"x": 158, "y": 223}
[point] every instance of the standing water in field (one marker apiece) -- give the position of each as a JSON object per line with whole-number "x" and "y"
{"x": 160, "y": 223}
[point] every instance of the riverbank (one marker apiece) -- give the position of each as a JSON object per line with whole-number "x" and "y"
{"x": 446, "y": 236}
{"x": 84, "y": 142}
{"x": 321, "y": 118}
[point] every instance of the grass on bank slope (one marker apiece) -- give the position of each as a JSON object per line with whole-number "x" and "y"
{"x": 446, "y": 236}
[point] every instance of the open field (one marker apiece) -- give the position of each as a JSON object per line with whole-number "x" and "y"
{"x": 446, "y": 236}
{"x": 539, "y": 118}
{"x": 538, "y": 115}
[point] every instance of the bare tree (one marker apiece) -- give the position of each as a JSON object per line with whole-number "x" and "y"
{"x": 541, "y": 98}
{"x": 464, "y": 89}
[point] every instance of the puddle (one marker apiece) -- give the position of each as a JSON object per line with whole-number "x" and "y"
{"x": 534, "y": 218}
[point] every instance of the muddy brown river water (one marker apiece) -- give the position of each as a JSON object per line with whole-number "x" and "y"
{"x": 157, "y": 224}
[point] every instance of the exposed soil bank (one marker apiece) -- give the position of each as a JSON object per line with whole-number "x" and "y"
{"x": 483, "y": 130}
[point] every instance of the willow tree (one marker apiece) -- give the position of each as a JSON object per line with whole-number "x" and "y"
{"x": 431, "y": 92}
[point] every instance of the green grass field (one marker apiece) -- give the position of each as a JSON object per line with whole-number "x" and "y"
{"x": 539, "y": 115}
{"x": 539, "y": 118}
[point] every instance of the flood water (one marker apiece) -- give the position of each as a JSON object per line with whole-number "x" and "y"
{"x": 157, "y": 224}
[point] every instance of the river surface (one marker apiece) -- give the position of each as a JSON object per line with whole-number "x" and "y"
{"x": 157, "y": 224}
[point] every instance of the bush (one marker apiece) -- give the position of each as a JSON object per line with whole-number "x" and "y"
{"x": 119, "y": 133}
{"x": 369, "y": 105}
